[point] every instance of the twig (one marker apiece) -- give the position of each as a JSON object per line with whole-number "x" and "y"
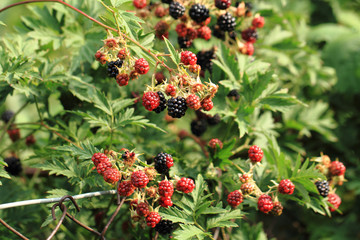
{"x": 13, "y": 230}
{"x": 52, "y": 200}
{"x": 112, "y": 218}
{"x": 216, "y": 234}
{"x": 64, "y": 209}
{"x": 97, "y": 22}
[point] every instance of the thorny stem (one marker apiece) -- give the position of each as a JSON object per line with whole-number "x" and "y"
{"x": 97, "y": 22}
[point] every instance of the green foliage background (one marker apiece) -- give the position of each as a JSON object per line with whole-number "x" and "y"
{"x": 299, "y": 94}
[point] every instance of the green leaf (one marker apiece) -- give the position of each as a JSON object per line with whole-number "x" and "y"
{"x": 279, "y": 101}
{"x": 224, "y": 220}
{"x": 176, "y": 215}
{"x": 118, "y": 3}
{"x": 175, "y": 56}
{"x": 187, "y": 232}
{"x": 102, "y": 103}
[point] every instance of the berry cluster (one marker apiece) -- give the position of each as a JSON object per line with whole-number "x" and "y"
{"x": 192, "y": 21}
{"x": 121, "y": 65}
{"x": 335, "y": 174}
{"x": 182, "y": 91}
{"x": 148, "y": 194}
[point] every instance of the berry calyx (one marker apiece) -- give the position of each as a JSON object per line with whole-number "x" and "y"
{"x": 286, "y": 187}
{"x": 193, "y": 102}
{"x": 207, "y": 104}
{"x": 255, "y": 153}
{"x": 335, "y": 200}
{"x": 235, "y": 198}
{"x": 126, "y": 188}
{"x": 265, "y": 203}
{"x": 150, "y": 100}
{"x": 337, "y": 168}
{"x": 139, "y": 179}
{"x": 188, "y": 58}
{"x": 185, "y": 185}
{"x": 153, "y": 219}
{"x": 166, "y": 188}
{"x": 141, "y": 66}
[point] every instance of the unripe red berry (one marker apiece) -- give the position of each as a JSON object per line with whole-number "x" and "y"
{"x": 166, "y": 188}
{"x": 235, "y": 198}
{"x": 188, "y": 58}
{"x": 142, "y": 209}
{"x": 247, "y": 188}
{"x": 335, "y": 200}
{"x": 207, "y": 104}
{"x": 165, "y": 202}
{"x": 193, "y": 102}
{"x": 122, "y": 79}
{"x": 150, "y": 100}
{"x": 139, "y": 179}
{"x": 170, "y": 90}
{"x": 255, "y": 153}
{"x": 215, "y": 142}
{"x": 139, "y": 4}
{"x": 258, "y": 22}
{"x": 185, "y": 185}
{"x": 286, "y": 187}
{"x": 152, "y": 219}
{"x": 126, "y": 188}
{"x": 141, "y": 66}
{"x": 337, "y": 168}
{"x": 265, "y": 203}
{"x": 181, "y": 29}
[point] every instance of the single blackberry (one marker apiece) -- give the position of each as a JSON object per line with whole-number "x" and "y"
{"x": 226, "y": 22}
{"x": 218, "y": 33}
{"x": 162, "y": 104}
{"x": 14, "y": 166}
{"x": 7, "y": 115}
{"x": 113, "y": 66}
{"x": 184, "y": 42}
{"x": 198, "y": 13}
{"x": 234, "y": 95}
{"x": 214, "y": 119}
{"x": 198, "y": 127}
{"x": 160, "y": 163}
{"x": 323, "y": 187}
{"x": 204, "y": 59}
{"x": 222, "y": 4}
{"x": 249, "y": 35}
{"x": 164, "y": 227}
{"x": 177, "y": 107}
{"x": 176, "y": 10}
{"x": 167, "y": 1}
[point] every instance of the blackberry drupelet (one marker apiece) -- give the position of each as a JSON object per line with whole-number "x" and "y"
{"x": 164, "y": 227}
{"x": 184, "y": 42}
{"x": 204, "y": 59}
{"x": 249, "y": 35}
{"x": 177, "y": 107}
{"x": 113, "y": 66}
{"x": 222, "y": 4}
{"x": 226, "y": 22}
{"x": 14, "y": 166}
{"x": 234, "y": 95}
{"x": 198, "y": 13}
{"x": 7, "y": 115}
{"x": 162, "y": 104}
{"x": 160, "y": 163}
{"x": 323, "y": 187}
{"x": 198, "y": 127}
{"x": 176, "y": 10}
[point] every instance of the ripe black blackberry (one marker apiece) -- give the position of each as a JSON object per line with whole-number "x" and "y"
{"x": 198, "y": 13}
{"x": 249, "y": 35}
{"x": 167, "y": 1}
{"x": 323, "y": 187}
{"x": 218, "y": 33}
{"x": 176, "y": 10}
{"x": 14, "y": 166}
{"x": 162, "y": 104}
{"x": 7, "y": 115}
{"x": 226, "y": 22}
{"x": 222, "y": 4}
{"x": 164, "y": 227}
{"x": 184, "y": 42}
{"x": 204, "y": 59}
{"x": 214, "y": 119}
{"x": 198, "y": 127}
{"x": 113, "y": 66}
{"x": 177, "y": 107}
{"x": 234, "y": 95}
{"x": 160, "y": 163}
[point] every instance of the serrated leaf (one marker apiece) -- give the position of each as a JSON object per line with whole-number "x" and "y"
{"x": 175, "y": 56}
{"x": 58, "y": 192}
{"x": 187, "y": 232}
{"x": 223, "y": 220}
{"x": 102, "y": 103}
{"x": 176, "y": 215}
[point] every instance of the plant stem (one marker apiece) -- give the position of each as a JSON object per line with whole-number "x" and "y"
{"x": 97, "y": 22}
